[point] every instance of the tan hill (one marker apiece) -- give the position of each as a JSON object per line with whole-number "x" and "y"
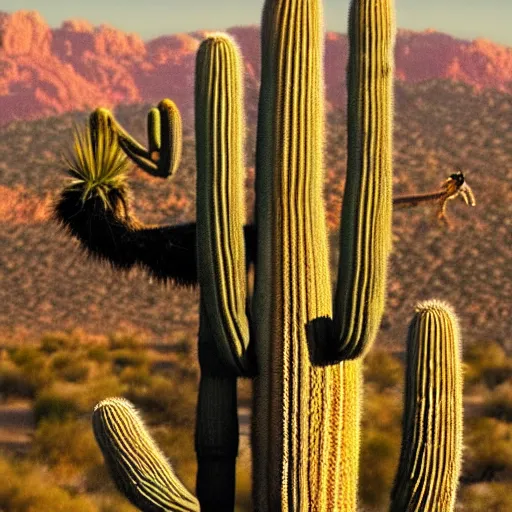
{"x": 48, "y": 284}
{"x": 77, "y": 66}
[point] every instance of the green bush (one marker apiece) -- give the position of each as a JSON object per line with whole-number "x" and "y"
{"x": 99, "y": 354}
{"x": 499, "y": 402}
{"x": 136, "y": 377}
{"x": 124, "y": 341}
{"x": 14, "y": 383}
{"x": 52, "y": 405}
{"x": 489, "y": 497}
{"x": 383, "y": 370}
{"x": 67, "y": 445}
{"x": 488, "y": 450}
{"x": 69, "y": 367}
{"x": 54, "y": 341}
{"x": 24, "y": 488}
{"x": 122, "y": 358}
{"x": 168, "y": 401}
{"x": 487, "y": 363}
{"x": 33, "y": 365}
{"x": 98, "y": 389}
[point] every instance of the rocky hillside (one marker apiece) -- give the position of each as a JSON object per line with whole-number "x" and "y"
{"x": 48, "y": 284}
{"x": 78, "y": 66}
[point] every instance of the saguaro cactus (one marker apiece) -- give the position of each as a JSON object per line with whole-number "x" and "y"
{"x": 430, "y": 460}
{"x": 306, "y": 365}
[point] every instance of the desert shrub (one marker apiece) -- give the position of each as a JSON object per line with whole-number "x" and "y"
{"x": 488, "y": 450}
{"x": 24, "y": 488}
{"x": 499, "y": 402}
{"x": 69, "y": 367}
{"x": 97, "y": 390}
{"x": 383, "y": 370}
{"x": 23, "y": 356}
{"x": 379, "y": 459}
{"x": 138, "y": 377}
{"x": 68, "y": 446}
{"x": 33, "y": 365}
{"x": 490, "y": 497}
{"x": 54, "y": 341}
{"x": 13, "y": 382}
{"x": 380, "y": 442}
{"x": 52, "y": 405}
{"x": 167, "y": 400}
{"x": 487, "y": 363}
{"x": 124, "y": 341}
{"x": 99, "y": 354}
{"x": 122, "y": 358}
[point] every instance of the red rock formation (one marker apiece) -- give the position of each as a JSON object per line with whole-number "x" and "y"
{"x": 78, "y": 66}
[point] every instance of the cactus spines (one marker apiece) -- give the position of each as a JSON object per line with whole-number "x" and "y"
{"x": 297, "y": 416}
{"x": 431, "y": 453}
{"x": 163, "y": 155}
{"x": 138, "y": 467}
{"x": 367, "y": 201}
{"x": 97, "y": 165}
{"x": 220, "y": 212}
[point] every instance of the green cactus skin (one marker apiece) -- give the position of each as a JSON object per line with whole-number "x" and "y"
{"x": 137, "y": 466}
{"x": 367, "y": 202}
{"x": 163, "y": 155}
{"x": 431, "y": 454}
{"x": 220, "y": 211}
{"x": 297, "y": 413}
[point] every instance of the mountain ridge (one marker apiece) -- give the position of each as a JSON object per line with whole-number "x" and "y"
{"x": 48, "y": 71}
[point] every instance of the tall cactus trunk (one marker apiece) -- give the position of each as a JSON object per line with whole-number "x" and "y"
{"x": 297, "y": 407}
{"x": 367, "y": 202}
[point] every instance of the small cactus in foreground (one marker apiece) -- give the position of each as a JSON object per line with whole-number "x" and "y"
{"x": 430, "y": 459}
{"x": 139, "y": 469}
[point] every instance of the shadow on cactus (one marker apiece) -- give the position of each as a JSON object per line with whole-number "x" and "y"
{"x": 302, "y": 345}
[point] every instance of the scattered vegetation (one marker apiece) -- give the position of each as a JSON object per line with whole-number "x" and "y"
{"x": 65, "y": 468}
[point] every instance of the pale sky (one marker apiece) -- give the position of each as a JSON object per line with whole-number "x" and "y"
{"x": 466, "y": 19}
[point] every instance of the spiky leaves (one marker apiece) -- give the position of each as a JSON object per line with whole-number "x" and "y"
{"x": 297, "y": 418}
{"x": 95, "y": 207}
{"x": 97, "y": 165}
{"x": 430, "y": 458}
{"x": 138, "y": 467}
{"x": 163, "y": 155}
{"x": 219, "y": 123}
{"x": 367, "y": 202}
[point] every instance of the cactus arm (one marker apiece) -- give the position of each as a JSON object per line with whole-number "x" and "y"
{"x": 163, "y": 155}
{"x": 138, "y": 467}
{"x": 153, "y": 128}
{"x": 95, "y": 208}
{"x": 430, "y": 458}
{"x": 367, "y": 202}
{"x": 220, "y": 211}
{"x": 297, "y": 410}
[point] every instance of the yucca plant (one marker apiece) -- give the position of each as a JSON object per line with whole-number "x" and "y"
{"x": 97, "y": 165}
{"x": 302, "y": 349}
